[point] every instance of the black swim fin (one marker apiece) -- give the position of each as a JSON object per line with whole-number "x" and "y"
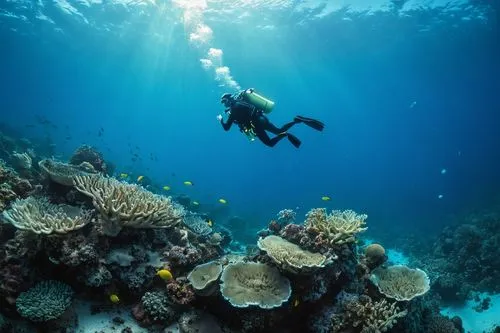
{"x": 293, "y": 140}
{"x": 313, "y": 123}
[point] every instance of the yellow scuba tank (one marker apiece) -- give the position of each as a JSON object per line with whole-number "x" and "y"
{"x": 259, "y": 101}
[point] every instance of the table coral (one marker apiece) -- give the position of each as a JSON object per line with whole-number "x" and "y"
{"x": 203, "y": 277}
{"x": 400, "y": 282}
{"x": 42, "y": 217}
{"x": 291, "y": 257}
{"x": 249, "y": 283}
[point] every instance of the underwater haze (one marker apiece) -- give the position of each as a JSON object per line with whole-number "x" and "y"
{"x": 408, "y": 92}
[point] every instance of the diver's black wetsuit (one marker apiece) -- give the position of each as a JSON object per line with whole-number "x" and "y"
{"x": 248, "y": 117}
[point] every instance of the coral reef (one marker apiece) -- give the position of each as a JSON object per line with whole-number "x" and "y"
{"x": 246, "y": 284}
{"x": 172, "y": 266}
{"x": 45, "y": 301}
{"x": 291, "y": 257}
{"x": 464, "y": 258}
{"x": 125, "y": 205}
{"x": 41, "y": 217}
{"x": 400, "y": 282}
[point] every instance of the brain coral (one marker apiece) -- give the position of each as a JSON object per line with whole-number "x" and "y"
{"x": 290, "y": 256}
{"x": 250, "y": 283}
{"x": 45, "y": 301}
{"x": 400, "y": 282}
{"x": 375, "y": 254}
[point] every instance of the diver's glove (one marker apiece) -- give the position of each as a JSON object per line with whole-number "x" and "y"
{"x": 219, "y": 117}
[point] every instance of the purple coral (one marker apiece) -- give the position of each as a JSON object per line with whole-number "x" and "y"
{"x": 183, "y": 256}
{"x": 180, "y": 291}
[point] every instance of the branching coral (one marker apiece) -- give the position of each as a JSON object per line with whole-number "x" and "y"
{"x": 197, "y": 224}
{"x": 40, "y": 216}
{"x": 338, "y": 227}
{"x": 251, "y": 283}
{"x": 126, "y": 205}
{"x": 369, "y": 316}
{"x": 400, "y": 282}
{"x": 290, "y": 256}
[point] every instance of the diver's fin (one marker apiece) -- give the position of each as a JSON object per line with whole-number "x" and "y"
{"x": 293, "y": 140}
{"x": 313, "y": 123}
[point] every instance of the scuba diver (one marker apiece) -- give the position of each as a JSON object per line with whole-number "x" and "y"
{"x": 248, "y": 110}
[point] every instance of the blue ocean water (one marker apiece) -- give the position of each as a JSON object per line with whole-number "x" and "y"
{"x": 408, "y": 91}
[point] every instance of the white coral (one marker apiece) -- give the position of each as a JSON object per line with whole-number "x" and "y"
{"x": 400, "y": 282}
{"x": 338, "y": 227}
{"x": 249, "y": 283}
{"x": 128, "y": 205}
{"x": 41, "y": 217}
{"x": 291, "y": 257}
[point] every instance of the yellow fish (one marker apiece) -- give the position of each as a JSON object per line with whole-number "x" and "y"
{"x": 166, "y": 188}
{"x": 114, "y": 298}
{"x": 140, "y": 178}
{"x": 210, "y": 223}
{"x": 326, "y": 198}
{"x": 223, "y": 201}
{"x": 164, "y": 274}
{"x": 123, "y": 175}
{"x": 196, "y": 203}
{"x": 188, "y": 183}
{"x": 296, "y": 303}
